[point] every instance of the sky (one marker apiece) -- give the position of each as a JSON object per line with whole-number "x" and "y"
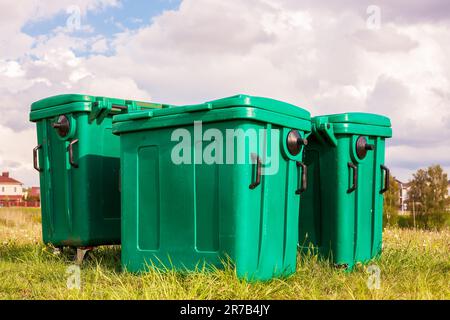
{"x": 386, "y": 57}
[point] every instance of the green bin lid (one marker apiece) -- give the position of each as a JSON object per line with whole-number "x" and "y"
{"x": 60, "y": 100}
{"x": 69, "y": 103}
{"x": 355, "y": 123}
{"x": 357, "y": 118}
{"x": 234, "y": 101}
{"x": 76, "y": 98}
{"x": 262, "y": 103}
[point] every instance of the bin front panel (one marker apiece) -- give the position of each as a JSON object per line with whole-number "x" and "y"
{"x": 183, "y": 215}
{"x": 360, "y": 211}
{"x": 80, "y": 205}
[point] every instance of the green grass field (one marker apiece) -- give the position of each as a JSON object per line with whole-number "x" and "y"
{"x": 414, "y": 265}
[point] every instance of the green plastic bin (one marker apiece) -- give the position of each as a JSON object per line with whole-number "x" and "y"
{"x": 186, "y": 215}
{"x": 342, "y": 209}
{"x": 78, "y": 160}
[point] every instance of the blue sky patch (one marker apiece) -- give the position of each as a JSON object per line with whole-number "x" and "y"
{"x": 132, "y": 14}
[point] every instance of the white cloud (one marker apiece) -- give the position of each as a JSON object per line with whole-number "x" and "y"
{"x": 15, "y": 153}
{"x": 15, "y": 14}
{"x": 11, "y": 69}
{"x": 387, "y": 40}
{"x": 100, "y": 46}
{"x": 319, "y": 57}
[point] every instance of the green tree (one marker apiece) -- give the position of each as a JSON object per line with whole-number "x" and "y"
{"x": 416, "y": 196}
{"x": 391, "y": 203}
{"x": 428, "y": 197}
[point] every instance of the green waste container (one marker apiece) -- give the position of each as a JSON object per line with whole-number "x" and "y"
{"x": 341, "y": 211}
{"x": 182, "y": 213}
{"x": 78, "y": 160}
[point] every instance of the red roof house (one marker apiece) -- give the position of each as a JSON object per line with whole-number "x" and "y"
{"x": 10, "y": 189}
{"x": 34, "y": 193}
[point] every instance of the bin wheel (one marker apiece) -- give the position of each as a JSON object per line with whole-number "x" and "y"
{"x": 81, "y": 254}
{"x": 343, "y": 266}
{"x": 58, "y": 250}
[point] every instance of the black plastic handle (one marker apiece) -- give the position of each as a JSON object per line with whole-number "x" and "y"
{"x": 114, "y": 107}
{"x": 119, "y": 107}
{"x": 257, "y": 182}
{"x": 386, "y": 179}
{"x": 35, "y": 158}
{"x": 72, "y": 162}
{"x": 355, "y": 177}
{"x": 304, "y": 177}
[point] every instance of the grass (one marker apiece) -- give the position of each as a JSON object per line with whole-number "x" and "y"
{"x": 414, "y": 265}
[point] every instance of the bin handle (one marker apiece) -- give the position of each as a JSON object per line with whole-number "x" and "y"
{"x": 355, "y": 177}
{"x": 72, "y": 162}
{"x": 119, "y": 107}
{"x": 257, "y": 182}
{"x": 386, "y": 178}
{"x": 35, "y": 158}
{"x": 304, "y": 178}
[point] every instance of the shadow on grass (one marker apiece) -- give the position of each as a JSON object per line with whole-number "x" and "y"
{"x": 107, "y": 257}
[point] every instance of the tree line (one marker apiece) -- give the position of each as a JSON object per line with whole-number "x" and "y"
{"x": 428, "y": 201}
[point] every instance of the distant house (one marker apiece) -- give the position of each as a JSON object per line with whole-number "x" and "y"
{"x": 32, "y": 197}
{"x": 11, "y": 192}
{"x": 34, "y": 193}
{"x": 404, "y": 190}
{"x": 448, "y": 189}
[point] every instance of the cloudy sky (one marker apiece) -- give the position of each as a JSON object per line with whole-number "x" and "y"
{"x": 326, "y": 56}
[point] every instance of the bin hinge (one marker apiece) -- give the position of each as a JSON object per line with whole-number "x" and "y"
{"x": 324, "y": 132}
{"x": 100, "y": 109}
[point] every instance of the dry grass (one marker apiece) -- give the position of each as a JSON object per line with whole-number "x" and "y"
{"x": 20, "y": 225}
{"x": 414, "y": 265}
